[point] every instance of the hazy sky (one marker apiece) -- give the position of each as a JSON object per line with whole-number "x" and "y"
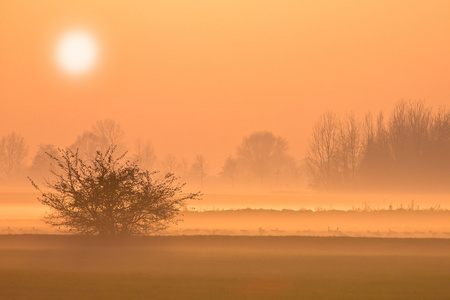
{"x": 195, "y": 77}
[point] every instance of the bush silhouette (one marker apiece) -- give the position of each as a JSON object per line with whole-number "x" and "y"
{"x": 110, "y": 196}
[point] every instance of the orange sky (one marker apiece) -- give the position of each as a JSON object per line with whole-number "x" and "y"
{"x": 195, "y": 77}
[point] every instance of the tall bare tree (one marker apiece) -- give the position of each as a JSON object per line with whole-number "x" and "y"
{"x": 322, "y": 158}
{"x": 350, "y": 150}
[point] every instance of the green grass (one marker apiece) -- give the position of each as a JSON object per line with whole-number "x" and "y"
{"x": 50, "y": 267}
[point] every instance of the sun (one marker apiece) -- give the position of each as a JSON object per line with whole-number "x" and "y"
{"x": 76, "y": 52}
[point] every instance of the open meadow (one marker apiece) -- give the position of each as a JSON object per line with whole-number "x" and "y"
{"x": 223, "y": 267}
{"x": 281, "y": 246}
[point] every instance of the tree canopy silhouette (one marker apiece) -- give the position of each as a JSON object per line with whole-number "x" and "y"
{"x": 262, "y": 153}
{"x": 262, "y": 156}
{"x": 110, "y": 196}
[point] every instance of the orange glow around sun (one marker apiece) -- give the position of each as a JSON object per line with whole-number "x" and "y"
{"x": 76, "y": 52}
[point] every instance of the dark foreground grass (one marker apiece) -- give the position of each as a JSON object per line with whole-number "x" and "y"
{"x": 49, "y": 267}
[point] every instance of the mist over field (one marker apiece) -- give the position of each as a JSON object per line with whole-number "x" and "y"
{"x": 398, "y": 168}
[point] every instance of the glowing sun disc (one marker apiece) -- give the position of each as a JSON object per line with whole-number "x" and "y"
{"x": 76, "y": 52}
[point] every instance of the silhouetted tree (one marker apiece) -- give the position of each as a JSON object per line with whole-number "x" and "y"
{"x": 262, "y": 154}
{"x": 349, "y": 151}
{"x": 13, "y": 152}
{"x": 335, "y": 152}
{"x": 109, "y": 196}
{"x": 42, "y": 160}
{"x": 322, "y": 158}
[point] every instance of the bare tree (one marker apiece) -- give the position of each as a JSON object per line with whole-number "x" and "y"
{"x": 322, "y": 158}
{"x": 350, "y": 150}
{"x": 110, "y": 197}
{"x": 13, "y": 152}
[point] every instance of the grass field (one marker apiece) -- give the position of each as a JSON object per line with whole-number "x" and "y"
{"x": 219, "y": 267}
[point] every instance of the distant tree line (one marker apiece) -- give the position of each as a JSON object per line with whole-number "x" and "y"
{"x": 15, "y": 167}
{"x": 410, "y": 150}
